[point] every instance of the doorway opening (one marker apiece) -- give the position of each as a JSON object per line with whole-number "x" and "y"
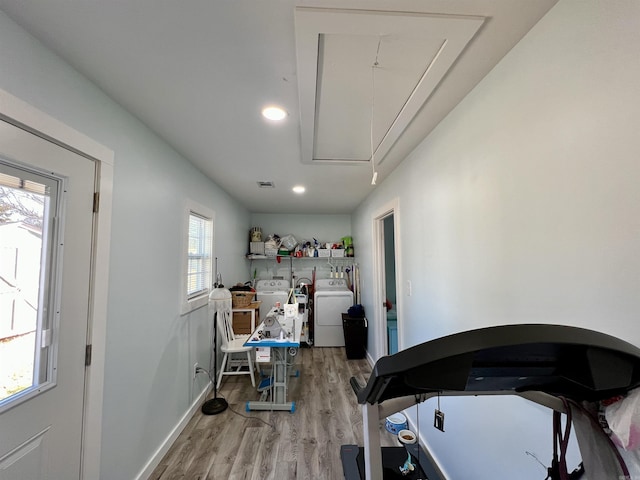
{"x": 386, "y": 273}
{"x": 391, "y": 310}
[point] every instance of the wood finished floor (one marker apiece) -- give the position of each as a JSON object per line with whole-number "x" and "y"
{"x": 303, "y": 445}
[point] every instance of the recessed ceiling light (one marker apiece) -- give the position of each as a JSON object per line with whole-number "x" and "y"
{"x": 299, "y": 189}
{"x": 274, "y": 113}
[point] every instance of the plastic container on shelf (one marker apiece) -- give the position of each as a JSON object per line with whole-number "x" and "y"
{"x": 288, "y": 242}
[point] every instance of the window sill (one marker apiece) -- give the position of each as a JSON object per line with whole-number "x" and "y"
{"x": 194, "y": 304}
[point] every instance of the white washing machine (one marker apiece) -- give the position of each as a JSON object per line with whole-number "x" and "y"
{"x": 331, "y": 299}
{"x": 270, "y": 292}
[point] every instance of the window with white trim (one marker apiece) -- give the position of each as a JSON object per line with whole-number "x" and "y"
{"x": 30, "y": 206}
{"x": 198, "y": 258}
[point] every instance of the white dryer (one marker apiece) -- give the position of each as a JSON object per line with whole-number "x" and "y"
{"x": 270, "y": 292}
{"x": 331, "y": 299}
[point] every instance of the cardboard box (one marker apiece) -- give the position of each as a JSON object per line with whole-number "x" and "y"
{"x": 242, "y": 323}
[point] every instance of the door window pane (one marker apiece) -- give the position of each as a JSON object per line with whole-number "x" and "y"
{"x": 28, "y": 202}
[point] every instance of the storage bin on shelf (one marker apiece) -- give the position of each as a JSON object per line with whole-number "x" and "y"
{"x": 337, "y": 252}
{"x": 256, "y": 247}
{"x": 324, "y": 252}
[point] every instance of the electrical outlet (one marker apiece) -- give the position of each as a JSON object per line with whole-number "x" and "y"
{"x": 196, "y": 367}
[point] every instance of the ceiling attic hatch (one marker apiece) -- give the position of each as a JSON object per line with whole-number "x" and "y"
{"x": 341, "y": 91}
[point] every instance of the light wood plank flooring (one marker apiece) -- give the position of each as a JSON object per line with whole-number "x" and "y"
{"x": 302, "y": 445}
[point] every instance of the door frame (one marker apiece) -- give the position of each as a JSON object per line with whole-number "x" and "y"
{"x": 22, "y": 115}
{"x": 390, "y": 208}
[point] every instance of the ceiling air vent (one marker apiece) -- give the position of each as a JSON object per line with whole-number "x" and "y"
{"x": 267, "y": 184}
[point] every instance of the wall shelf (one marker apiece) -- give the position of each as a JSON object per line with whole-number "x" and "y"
{"x": 253, "y": 256}
{"x": 288, "y": 261}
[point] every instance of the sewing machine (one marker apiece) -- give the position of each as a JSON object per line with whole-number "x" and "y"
{"x": 277, "y": 336}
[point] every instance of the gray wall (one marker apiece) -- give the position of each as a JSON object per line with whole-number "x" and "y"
{"x": 150, "y": 348}
{"x": 523, "y": 206}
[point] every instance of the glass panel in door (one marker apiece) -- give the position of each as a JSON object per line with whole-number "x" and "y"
{"x": 28, "y": 202}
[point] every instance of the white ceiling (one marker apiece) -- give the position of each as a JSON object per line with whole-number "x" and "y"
{"x": 363, "y": 76}
{"x": 198, "y": 72}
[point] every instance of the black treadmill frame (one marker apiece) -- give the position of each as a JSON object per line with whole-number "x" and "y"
{"x": 539, "y": 362}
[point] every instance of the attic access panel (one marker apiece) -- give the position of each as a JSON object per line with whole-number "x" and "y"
{"x": 336, "y": 52}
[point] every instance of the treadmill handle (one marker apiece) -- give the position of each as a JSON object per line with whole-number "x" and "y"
{"x": 355, "y": 385}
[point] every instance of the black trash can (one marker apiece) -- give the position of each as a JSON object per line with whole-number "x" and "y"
{"x": 355, "y": 336}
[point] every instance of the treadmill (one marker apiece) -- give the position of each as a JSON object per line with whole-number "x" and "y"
{"x": 561, "y": 367}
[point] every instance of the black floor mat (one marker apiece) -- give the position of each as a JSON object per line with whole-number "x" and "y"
{"x": 392, "y": 459}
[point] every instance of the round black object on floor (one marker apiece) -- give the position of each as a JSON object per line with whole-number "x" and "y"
{"x": 214, "y": 406}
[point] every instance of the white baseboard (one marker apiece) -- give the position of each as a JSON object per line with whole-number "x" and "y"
{"x": 370, "y": 359}
{"x": 164, "y": 447}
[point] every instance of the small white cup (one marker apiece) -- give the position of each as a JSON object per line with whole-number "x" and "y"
{"x": 406, "y": 437}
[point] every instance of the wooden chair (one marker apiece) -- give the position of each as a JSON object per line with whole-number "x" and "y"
{"x": 233, "y": 344}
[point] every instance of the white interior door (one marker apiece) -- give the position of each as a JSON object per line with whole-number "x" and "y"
{"x": 41, "y": 426}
